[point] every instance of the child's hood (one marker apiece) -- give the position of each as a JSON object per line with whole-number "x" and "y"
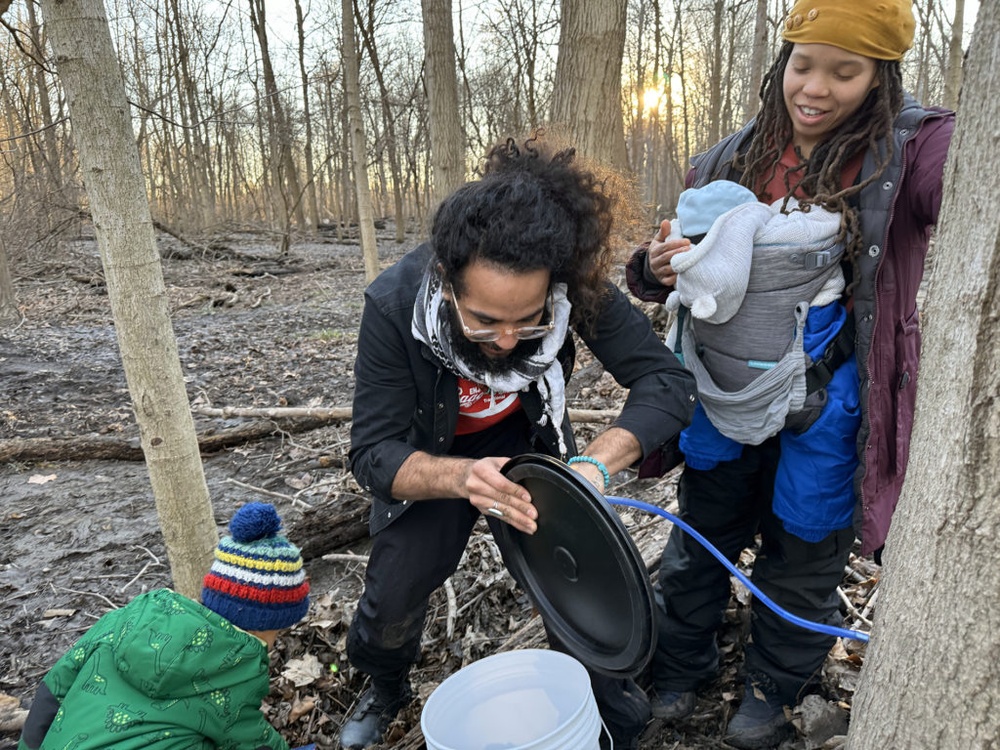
{"x": 171, "y": 647}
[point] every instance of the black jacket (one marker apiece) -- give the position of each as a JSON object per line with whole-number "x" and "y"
{"x": 405, "y": 400}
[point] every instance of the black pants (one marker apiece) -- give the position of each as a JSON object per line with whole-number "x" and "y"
{"x": 729, "y": 505}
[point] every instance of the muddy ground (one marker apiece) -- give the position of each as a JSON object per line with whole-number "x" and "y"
{"x": 79, "y": 534}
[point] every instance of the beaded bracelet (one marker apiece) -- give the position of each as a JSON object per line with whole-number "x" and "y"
{"x": 595, "y": 462}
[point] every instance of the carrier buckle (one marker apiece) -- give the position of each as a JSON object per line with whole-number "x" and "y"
{"x": 816, "y": 259}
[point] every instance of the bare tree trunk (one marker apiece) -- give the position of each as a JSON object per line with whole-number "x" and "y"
{"x": 586, "y": 99}
{"x": 930, "y": 679}
{"x": 198, "y": 204}
{"x": 52, "y": 154}
{"x": 349, "y": 203}
{"x": 366, "y": 218}
{"x": 715, "y": 74}
{"x": 447, "y": 140}
{"x": 311, "y": 204}
{"x": 685, "y": 154}
{"x": 368, "y": 35}
{"x": 286, "y": 176}
{"x": 109, "y": 162}
{"x": 758, "y": 61}
{"x": 953, "y": 73}
{"x": 9, "y": 314}
{"x": 637, "y": 157}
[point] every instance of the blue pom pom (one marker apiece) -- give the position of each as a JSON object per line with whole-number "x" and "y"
{"x": 254, "y": 521}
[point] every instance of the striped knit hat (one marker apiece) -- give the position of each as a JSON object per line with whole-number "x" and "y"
{"x": 257, "y": 581}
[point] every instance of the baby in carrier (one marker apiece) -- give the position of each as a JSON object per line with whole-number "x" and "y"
{"x": 758, "y": 302}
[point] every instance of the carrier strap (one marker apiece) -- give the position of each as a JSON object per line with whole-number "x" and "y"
{"x": 837, "y": 352}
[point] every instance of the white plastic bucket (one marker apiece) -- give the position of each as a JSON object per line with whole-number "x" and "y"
{"x": 531, "y": 699}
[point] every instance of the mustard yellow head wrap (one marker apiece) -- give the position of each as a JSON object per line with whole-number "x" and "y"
{"x": 881, "y": 29}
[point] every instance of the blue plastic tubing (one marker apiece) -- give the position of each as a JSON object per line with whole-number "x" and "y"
{"x": 817, "y": 627}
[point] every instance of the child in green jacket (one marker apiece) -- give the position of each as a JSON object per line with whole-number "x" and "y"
{"x": 168, "y": 673}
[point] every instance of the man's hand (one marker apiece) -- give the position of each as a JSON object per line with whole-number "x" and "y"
{"x": 591, "y": 473}
{"x": 495, "y": 495}
{"x": 661, "y": 250}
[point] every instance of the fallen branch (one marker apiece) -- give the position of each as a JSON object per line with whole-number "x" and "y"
{"x": 189, "y": 243}
{"x": 338, "y": 522}
{"x": 343, "y": 413}
{"x": 103, "y": 447}
{"x": 346, "y": 557}
{"x": 293, "y": 420}
{"x": 332, "y": 414}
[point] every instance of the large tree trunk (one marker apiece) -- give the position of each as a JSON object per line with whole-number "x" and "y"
{"x": 586, "y": 96}
{"x": 447, "y": 140}
{"x": 930, "y": 677}
{"x": 109, "y": 162}
{"x": 362, "y": 190}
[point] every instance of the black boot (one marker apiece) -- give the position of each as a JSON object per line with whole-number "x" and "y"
{"x": 760, "y": 722}
{"x": 376, "y": 709}
{"x": 624, "y": 708}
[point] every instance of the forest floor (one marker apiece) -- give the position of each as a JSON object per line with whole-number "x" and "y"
{"x": 78, "y": 527}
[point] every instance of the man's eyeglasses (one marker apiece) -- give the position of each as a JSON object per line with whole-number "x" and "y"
{"x": 489, "y": 335}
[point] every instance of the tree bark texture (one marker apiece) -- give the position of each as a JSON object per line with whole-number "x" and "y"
{"x": 362, "y": 190}
{"x": 586, "y": 97}
{"x": 447, "y": 139}
{"x": 930, "y": 676}
{"x": 109, "y": 163}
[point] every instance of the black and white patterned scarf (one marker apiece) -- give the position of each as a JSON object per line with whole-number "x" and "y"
{"x": 432, "y": 326}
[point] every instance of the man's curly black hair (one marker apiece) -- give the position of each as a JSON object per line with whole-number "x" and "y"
{"x": 534, "y": 208}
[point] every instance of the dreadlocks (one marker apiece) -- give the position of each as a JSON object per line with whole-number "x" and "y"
{"x": 819, "y": 178}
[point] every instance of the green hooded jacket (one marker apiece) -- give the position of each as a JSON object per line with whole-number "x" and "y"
{"x": 163, "y": 673}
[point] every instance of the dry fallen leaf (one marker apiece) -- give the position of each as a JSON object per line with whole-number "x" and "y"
{"x": 12, "y": 716}
{"x": 300, "y": 708}
{"x": 300, "y": 482}
{"x": 838, "y": 651}
{"x": 303, "y": 671}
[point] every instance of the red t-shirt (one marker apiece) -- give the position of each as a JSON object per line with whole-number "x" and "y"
{"x": 790, "y": 160}
{"x": 479, "y": 409}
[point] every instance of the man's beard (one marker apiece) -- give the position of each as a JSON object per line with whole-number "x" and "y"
{"x": 472, "y": 354}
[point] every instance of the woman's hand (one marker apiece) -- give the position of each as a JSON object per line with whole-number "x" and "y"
{"x": 661, "y": 250}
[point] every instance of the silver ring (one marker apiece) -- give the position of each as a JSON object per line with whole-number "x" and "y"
{"x": 495, "y": 511}
{"x": 496, "y": 505}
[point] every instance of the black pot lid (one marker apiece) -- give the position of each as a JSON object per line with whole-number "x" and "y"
{"x": 581, "y": 568}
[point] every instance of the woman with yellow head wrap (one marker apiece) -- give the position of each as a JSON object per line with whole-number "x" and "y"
{"x": 835, "y": 129}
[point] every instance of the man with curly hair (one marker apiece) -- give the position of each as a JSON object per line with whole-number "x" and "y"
{"x": 464, "y": 352}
